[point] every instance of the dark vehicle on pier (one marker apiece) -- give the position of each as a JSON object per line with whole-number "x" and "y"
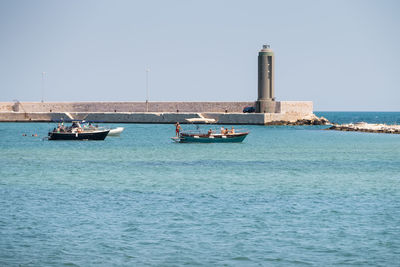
{"x": 249, "y": 110}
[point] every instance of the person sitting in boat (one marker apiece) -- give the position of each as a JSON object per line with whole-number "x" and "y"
{"x": 226, "y": 131}
{"x": 209, "y": 132}
{"x": 222, "y": 130}
{"x": 232, "y": 131}
{"x": 177, "y": 128}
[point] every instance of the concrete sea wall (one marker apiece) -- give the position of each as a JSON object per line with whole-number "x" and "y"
{"x": 156, "y": 117}
{"x": 287, "y": 112}
{"x": 300, "y": 107}
{"x": 124, "y": 106}
{"x": 304, "y": 107}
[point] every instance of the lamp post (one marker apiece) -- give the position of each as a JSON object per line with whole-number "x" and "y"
{"x": 147, "y": 89}
{"x": 43, "y": 83}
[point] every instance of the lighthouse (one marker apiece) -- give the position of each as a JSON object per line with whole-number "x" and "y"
{"x": 266, "y": 91}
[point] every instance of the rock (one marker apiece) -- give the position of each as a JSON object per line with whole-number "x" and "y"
{"x": 367, "y": 128}
{"x": 310, "y": 119}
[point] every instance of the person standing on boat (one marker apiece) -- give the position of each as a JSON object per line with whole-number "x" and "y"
{"x": 222, "y": 130}
{"x": 177, "y": 128}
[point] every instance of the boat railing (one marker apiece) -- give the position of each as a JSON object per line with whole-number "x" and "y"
{"x": 193, "y": 132}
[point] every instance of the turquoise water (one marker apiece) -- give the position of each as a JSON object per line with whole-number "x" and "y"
{"x": 286, "y": 196}
{"x": 370, "y": 117}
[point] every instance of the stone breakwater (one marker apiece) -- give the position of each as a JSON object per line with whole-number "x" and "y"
{"x": 367, "y": 127}
{"x": 302, "y": 107}
{"x": 285, "y": 113}
{"x": 166, "y": 117}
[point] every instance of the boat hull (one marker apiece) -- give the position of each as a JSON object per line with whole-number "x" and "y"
{"x": 99, "y": 135}
{"x": 192, "y": 138}
{"x": 116, "y": 132}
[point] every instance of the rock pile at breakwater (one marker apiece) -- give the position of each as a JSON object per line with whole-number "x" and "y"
{"x": 367, "y": 127}
{"x": 307, "y": 120}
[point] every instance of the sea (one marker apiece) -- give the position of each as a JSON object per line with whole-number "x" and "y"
{"x": 286, "y": 196}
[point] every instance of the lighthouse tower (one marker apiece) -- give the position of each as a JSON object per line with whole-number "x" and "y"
{"x": 266, "y": 91}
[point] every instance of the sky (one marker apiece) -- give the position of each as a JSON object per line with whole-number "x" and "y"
{"x": 342, "y": 54}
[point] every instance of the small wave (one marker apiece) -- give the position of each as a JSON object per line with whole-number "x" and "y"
{"x": 241, "y": 258}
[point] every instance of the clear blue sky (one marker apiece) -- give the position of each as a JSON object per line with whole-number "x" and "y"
{"x": 342, "y": 55}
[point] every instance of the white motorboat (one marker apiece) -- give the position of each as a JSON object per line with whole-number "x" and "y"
{"x": 116, "y": 132}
